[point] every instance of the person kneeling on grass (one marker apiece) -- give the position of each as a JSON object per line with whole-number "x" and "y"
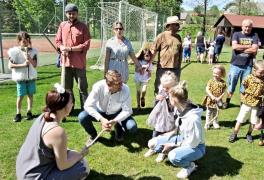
{"x": 110, "y": 103}
{"x": 251, "y": 99}
{"x": 186, "y": 143}
{"x": 44, "y": 154}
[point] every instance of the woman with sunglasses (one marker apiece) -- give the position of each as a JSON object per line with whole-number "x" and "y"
{"x": 118, "y": 48}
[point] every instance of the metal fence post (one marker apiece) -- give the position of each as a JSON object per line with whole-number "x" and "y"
{"x": 1, "y": 45}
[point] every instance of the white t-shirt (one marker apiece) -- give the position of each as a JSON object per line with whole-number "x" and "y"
{"x": 211, "y": 50}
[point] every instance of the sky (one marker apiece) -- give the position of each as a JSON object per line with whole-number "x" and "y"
{"x": 189, "y": 5}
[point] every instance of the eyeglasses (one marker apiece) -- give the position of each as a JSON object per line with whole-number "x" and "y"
{"x": 120, "y": 29}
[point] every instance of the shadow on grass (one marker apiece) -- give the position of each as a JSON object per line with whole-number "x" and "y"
{"x": 133, "y": 142}
{"x": 216, "y": 162}
{"x": 101, "y": 176}
{"x": 142, "y": 111}
{"x": 228, "y": 124}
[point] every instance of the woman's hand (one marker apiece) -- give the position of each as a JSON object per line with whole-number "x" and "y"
{"x": 168, "y": 147}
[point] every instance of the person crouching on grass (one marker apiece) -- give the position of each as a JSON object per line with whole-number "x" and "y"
{"x": 23, "y": 61}
{"x": 186, "y": 143}
{"x": 251, "y": 99}
{"x": 141, "y": 79}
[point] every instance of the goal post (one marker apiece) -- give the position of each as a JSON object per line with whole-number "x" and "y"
{"x": 140, "y": 25}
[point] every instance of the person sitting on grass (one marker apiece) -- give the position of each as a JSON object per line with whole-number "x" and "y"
{"x": 161, "y": 117}
{"x": 142, "y": 79}
{"x": 215, "y": 90}
{"x": 44, "y": 154}
{"x": 23, "y": 62}
{"x": 250, "y": 99}
{"x": 110, "y": 103}
{"x": 186, "y": 143}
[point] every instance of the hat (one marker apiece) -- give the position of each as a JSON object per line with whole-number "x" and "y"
{"x": 71, "y": 7}
{"x": 172, "y": 20}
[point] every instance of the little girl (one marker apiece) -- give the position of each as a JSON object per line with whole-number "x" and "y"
{"x": 211, "y": 53}
{"x": 141, "y": 80}
{"x": 161, "y": 117}
{"x": 23, "y": 61}
{"x": 250, "y": 99}
{"x": 215, "y": 90}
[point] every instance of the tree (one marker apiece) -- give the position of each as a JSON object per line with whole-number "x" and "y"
{"x": 244, "y": 7}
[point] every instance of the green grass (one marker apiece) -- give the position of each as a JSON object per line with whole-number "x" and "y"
{"x": 109, "y": 160}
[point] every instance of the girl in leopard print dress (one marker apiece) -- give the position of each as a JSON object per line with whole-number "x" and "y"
{"x": 251, "y": 99}
{"x": 215, "y": 91}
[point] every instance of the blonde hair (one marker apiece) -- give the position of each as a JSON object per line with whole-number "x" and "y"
{"x": 168, "y": 78}
{"x": 221, "y": 68}
{"x": 258, "y": 65}
{"x": 247, "y": 22}
{"x": 180, "y": 91}
{"x": 113, "y": 76}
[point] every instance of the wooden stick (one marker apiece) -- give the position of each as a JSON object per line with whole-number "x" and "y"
{"x": 89, "y": 144}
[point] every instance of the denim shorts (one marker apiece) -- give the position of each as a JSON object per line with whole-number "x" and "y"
{"x": 200, "y": 49}
{"x": 186, "y": 52}
{"x": 26, "y": 88}
{"x": 237, "y": 73}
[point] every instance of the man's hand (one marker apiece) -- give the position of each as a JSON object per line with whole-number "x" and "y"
{"x": 160, "y": 97}
{"x": 168, "y": 147}
{"x": 106, "y": 124}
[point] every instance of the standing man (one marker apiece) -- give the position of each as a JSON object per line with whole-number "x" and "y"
{"x": 245, "y": 48}
{"x": 168, "y": 45}
{"x": 73, "y": 41}
{"x": 110, "y": 103}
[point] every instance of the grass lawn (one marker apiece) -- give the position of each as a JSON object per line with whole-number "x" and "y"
{"x": 109, "y": 160}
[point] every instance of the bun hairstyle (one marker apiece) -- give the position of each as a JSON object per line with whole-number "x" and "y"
{"x": 23, "y": 35}
{"x": 180, "y": 91}
{"x": 55, "y": 100}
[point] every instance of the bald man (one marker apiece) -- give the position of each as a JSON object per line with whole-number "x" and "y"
{"x": 245, "y": 48}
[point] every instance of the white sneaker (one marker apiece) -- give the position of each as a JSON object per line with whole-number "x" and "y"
{"x": 149, "y": 153}
{"x": 160, "y": 157}
{"x": 206, "y": 126}
{"x": 216, "y": 125}
{"x": 185, "y": 172}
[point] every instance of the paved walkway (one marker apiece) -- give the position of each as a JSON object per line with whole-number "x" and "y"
{"x": 4, "y": 77}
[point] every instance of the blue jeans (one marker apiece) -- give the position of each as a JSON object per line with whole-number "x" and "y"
{"x": 181, "y": 156}
{"x": 85, "y": 119}
{"x": 236, "y": 73}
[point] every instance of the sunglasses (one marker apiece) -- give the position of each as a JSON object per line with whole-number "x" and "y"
{"x": 120, "y": 29}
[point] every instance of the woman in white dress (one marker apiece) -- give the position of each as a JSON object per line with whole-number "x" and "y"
{"x": 118, "y": 48}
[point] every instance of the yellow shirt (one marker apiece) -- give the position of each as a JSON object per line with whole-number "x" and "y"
{"x": 217, "y": 88}
{"x": 169, "y": 48}
{"x": 254, "y": 89}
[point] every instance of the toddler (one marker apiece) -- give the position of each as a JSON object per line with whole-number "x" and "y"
{"x": 215, "y": 91}
{"x": 211, "y": 53}
{"x": 161, "y": 117}
{"x": 250, "y": 99}
{"x": 22, "y": 62}
{"x": 141, "y": 80}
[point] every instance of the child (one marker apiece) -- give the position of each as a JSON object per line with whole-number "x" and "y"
{"x": 161, "y": 117}
{"x": 215, "y": 90}
{"x": 22, "y": 61}
{"x": 141, "y": 80}
{"x": 250, "y": 99}
{"x": 260, "y": 126}
{"x": 211, "y": 53}
{"x": 187, "y": 44}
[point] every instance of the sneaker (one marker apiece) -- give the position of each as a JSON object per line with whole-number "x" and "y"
{"x": 249, "y": 138}
{"x": 17, "y": 118}
{"x": 160, "y": 157}
{"x": 216, "y": 125}
{"x": 233, "y": 138}
{"x": 185, "y": 172}
{"x": 29, "y": 115}
{"x": 149, "y": 153}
